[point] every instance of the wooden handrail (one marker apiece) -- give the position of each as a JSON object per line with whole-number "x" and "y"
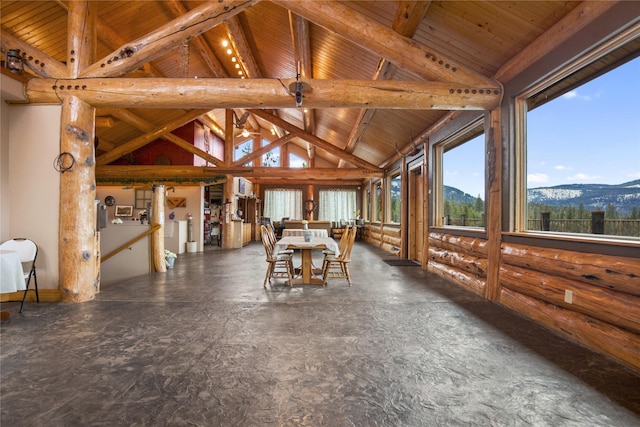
{"x": 152, "y": 229}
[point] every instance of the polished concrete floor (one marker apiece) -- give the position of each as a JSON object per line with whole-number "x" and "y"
{"x": 206, "y": 345}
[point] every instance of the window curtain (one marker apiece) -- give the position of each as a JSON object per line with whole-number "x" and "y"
{"x": 336, "y": 205}
{"x": 283, "y": 203}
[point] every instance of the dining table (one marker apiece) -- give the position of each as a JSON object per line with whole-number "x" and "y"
{"x": 11, "y": 274}
{"x": 308, "y": 274}
{"x": 320, "y": 232}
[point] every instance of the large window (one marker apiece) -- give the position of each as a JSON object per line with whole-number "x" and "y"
{"x": 336, "y": 205}
{"x": 581, "y": 149}
{"x": 460, "y": 183}
{"x": 283, "y": 203}
{"x": 395, "y": 194}
{"x": 242, "y": 150}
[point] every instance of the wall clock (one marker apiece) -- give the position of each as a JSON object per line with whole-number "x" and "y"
{"x": 109, "y": 201}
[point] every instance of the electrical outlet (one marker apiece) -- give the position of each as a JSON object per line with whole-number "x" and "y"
{"x": 568, "y": 297}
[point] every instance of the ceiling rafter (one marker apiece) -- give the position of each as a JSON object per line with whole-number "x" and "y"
{"x": 318, "y": 142}
{"x": 304, "y": 67}
{"x": 199, "y": 43}
{"x": 146, "y": 127}
{"x": 407, "y": 18}
{"x": 129, "y": 147}
{"x": 386, "y": 43}
{"x": 165, "y": 38}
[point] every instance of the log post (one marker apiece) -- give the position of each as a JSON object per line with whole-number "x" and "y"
{"x": 494, "y": 205}
{"x": 157, "y": 238}
{"x": 227, "y": 230}
{"x": 597, "y": 222}
{"x": 545, "y": 221}
{"x": 77, "y": 239}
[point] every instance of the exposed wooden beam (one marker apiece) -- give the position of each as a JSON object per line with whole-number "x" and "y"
{"x": 299, "y": 181}
{"x": 406, "y": 21}
{"x": 263, "y": 93}
{"x": 386, "y": 43}
{"x": 145, "y": 126}
{"x": 41, "y": 64}
{"x": 303, "y": 59}
{"x": 167, "y": 37}
{"x": 152, "y": 173}
{"x": 142, "y": 140}
{"x": 318, "y": 142}
{"x": 585, "y": 13}
{"x": 239, "y": 42}
{"x": 199, "y": 43}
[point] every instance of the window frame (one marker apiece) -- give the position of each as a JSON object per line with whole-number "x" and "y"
{"x": 519, "y": 226}
{"x": 465, "y": 134}
{"x": 396, "y": 173}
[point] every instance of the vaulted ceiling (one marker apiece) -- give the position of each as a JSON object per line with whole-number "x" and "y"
{"x": 374, "y": 76}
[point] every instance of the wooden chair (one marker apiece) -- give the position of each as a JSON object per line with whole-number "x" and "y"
{"x": 337, "y": 267}
{"x": 280, "y": 266}
{"x": 342, "y": 244}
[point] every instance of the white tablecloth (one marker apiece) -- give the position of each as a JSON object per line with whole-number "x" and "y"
{"x": 299, "y": 242}
{"x": 11, "y": 275}
{"x": 300, "y": 232}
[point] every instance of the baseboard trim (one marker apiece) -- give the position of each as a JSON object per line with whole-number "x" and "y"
{"x": 46, "y": 295}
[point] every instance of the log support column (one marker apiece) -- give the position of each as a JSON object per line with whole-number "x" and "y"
{"x": 78, "y": 236}
{"x": 493, "y": 208}
{"x": 157, "y": 238}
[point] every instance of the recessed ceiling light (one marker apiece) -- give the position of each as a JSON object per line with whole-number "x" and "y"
{"x": 225, "y": 43}
{"x": 229, "y": 51}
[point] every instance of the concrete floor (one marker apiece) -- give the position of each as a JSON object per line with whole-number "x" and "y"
{"x": 206, "y": 345}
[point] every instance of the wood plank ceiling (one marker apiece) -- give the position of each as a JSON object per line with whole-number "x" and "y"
{"x": 277, "y": 39}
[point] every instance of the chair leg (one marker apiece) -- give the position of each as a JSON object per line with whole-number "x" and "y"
{"x": 24, "y": 297}
{"x": 267, "y": 276}
{"x": 35, "y": 282}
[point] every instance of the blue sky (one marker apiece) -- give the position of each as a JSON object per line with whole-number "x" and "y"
{"x": 590, "y": 135}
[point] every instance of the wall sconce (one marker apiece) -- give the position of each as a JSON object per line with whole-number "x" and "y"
{"x": 13, "y": 61}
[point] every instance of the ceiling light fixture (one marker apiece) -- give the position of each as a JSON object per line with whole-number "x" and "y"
{"x": 13, "y": 61}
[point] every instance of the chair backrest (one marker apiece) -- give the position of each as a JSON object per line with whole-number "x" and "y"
{"x": 27, "y": 249}
{"x": 266, "y": 241}
{"x": 344, "y": 239}
{"x": 346, "y": 255}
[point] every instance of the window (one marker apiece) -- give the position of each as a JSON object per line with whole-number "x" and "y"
{"x": 367, "y": 205}
{"x": 242, "y": 150}
{"x": 143, "y": 198}
{"x": 395, "y": 193}
{"x": 271, "y": 158}
{"x": 336, "y": 205}
{"x": 461, "y": 178}
{"x": 296, "y": 162}
{"x": 377, "y": 210}
{"x": 283, "y": 203}
{"x": 580, "y": 149}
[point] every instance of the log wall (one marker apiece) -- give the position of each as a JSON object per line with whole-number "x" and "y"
{"x": 591, "y": 299}
{"x": 389, "y": 238}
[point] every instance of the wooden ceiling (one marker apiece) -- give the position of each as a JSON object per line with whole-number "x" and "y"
{"x": 347, "y": 41}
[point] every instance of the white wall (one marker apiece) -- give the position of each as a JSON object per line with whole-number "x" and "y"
{"x": 30, "y": 189}
{"x": 125, "y": 195}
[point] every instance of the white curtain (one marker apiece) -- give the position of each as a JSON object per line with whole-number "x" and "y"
{"x": 283, "y": 203}
{"x": 336, "y": 205}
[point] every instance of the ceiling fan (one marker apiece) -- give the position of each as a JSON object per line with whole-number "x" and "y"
{"x": 240, "y": 122}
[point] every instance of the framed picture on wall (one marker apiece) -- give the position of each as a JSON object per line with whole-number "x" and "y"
{"x": 123, "y": 210}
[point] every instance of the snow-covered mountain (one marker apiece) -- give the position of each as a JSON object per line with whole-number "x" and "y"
{"x": 623, "y": 196}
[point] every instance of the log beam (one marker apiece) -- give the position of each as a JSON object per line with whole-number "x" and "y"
{"x": 318, "y": 142}
{"x": 140, "y": 141}
{"x": 152, "y": 173}
{"x": 144, "y": 49}
{"x": 41, "y": 64}
{"x": 209, "y": 94}
{"x": 385, "y": 42}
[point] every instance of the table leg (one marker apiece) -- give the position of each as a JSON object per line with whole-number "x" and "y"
{"x": 307, "y": 270}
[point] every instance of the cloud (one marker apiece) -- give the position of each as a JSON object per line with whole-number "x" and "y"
{"x": 537, "y": 178}
{"x": 562, "y": 168}
{"x": 573, "y": 94}
{"x": 582, "y": 177}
